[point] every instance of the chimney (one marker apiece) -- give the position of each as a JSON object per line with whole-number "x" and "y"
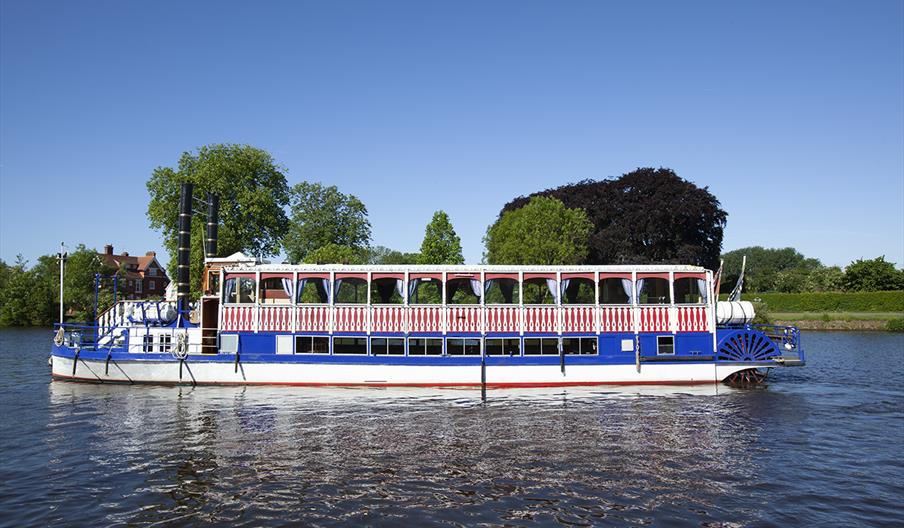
{"x": 150, "y": 254}
{"x": 108, "y": 249}
{"x": 183, "y": 254}
{"x": 213, "y": 219}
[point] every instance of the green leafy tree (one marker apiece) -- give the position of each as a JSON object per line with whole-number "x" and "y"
{"x": 825, "y": 279}
{"x": 321, "y": 216}
{"x": 15, "y": 307}
{"x": 440, "y": 245}
{"x": 335, "y": 254}
{"x": 385, "y": 255}
{"x": 543, "y": 232}
{"x": 873, "y": 275}
{"x": 768, "y": 269}
{"x": 252, "y": 190}
{"x": 30, "y": 297}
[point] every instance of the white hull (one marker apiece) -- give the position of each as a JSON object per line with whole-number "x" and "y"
{"x": 224, "y": 373}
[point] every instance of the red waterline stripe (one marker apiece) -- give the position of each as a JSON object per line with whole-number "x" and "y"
{"x": 525, "y": 385}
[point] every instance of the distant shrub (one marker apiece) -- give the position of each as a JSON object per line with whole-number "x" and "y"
{"x": 884, "y": 301}
{"x": 895, "y": 325}
{"x": 761, "y": 311}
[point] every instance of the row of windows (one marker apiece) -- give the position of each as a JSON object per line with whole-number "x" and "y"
{"x": 418, "y": 346}
{"x": 162, "y": 343}
{"x": 687, "y": 290}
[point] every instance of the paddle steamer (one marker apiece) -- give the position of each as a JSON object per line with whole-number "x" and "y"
{"x": 453, "y": 326}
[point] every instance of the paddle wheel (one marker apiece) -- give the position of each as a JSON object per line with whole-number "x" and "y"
{"x": 747, "y": 344}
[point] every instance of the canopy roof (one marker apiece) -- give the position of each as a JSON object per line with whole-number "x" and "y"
{"x": 463, "y": 269}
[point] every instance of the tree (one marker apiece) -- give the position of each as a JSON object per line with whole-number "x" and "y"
{"x": 873, "y": 275}
{"x": 768, "y": 269}
{"x": 543, "y": 232}
{"x": 825, "y": 278}
{"x": 30, "y": 297}
{"x": 440, "y": 245}
{"x": 252, "y": 190}
{"x": 385, "y": 255}
{"x": 322, "y": 216}
{"x": 643, "y": 217}
{"x": 335, "y": 254}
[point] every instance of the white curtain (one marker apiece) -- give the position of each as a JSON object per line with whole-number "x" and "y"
{"x": 488, "y": 284}
{"x": 287, "y": 287}
{"x": 412, "y": 289}
{"x": 701, "y": 285}
{"x": 475, "y": 287}
{"x": 565, "y": 283}
{"x": 299, "y": 289}
{"x": 551, "y": 284}
{"x": 400, "y": 287}
{"x": 336, "y": 289}
{"x": 230, "y": 289}
{"x": 640, "y": 283}
{"x": 629, "y": 291}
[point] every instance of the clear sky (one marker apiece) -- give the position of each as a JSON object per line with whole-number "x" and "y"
{"x": 792, "y": 113}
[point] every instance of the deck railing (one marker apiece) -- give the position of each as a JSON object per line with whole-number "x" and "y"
{"x": 465, "y": 319}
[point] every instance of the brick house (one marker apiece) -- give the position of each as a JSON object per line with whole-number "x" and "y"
{"x": 144, "y": 277}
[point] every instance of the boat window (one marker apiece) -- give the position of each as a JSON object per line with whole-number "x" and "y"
{"x": 425, "y": 347}
{"x": 690, "y": 290}
{"x": 463, "y": 291}
{"x": 351, "y": 290}
{"x": 381, "y": 346}
{"x": 213, "y": 282}
{"x": 503, "y": 347}
{"x": 387, "y": 291}
{"x": 425, "y": 291}
{"x": 539, "y": 291}
{"x": 312, "y": 290}
{"x": 148, "y": 343}
{"x": 312, "y": 345}
{"x": 579, "y": 345}
{"x": 546, "y": 346}
{"x": 653, "y": 291}
{"x": 276, "y": 290}
{"x": 665, "y": 345}
{"x": 349, "y": 345}
{"x": 578, "y": 291}
{"x": 239, "y": 290}
{"x": 615, "y": 291}
{"x": 166, "y": 341}
{"x": 502, "y": 291}
{"x": 463, "y": 347}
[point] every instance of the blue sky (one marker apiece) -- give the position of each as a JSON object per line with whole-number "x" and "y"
{"x": 792, "y": 113}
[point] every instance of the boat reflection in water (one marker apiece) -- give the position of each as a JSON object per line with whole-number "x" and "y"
{"x": 226, "y": 454}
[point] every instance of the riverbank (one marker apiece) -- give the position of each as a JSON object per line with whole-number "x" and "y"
{"x": 839, "y": 321}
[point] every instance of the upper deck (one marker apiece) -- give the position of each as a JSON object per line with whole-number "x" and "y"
{"x": 465, "y": 300}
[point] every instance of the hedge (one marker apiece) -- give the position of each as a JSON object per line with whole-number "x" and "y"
{"x": 882, "y": 301}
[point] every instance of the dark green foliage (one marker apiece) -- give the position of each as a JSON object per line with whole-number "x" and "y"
{"x": 886, "y": 301}
{"x": 646, "y": 216}
{"x": 252, "y": 190}
{"x": 895, "y": 325}
{"x": 873, "y": 275}
{"x": 323, "y": 216}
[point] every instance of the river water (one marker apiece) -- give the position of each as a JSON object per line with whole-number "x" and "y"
{"x": 820, "y": 445}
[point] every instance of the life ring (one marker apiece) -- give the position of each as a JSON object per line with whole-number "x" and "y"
{"x": 59, "y": 337}
{"x": 181, "y": 348}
